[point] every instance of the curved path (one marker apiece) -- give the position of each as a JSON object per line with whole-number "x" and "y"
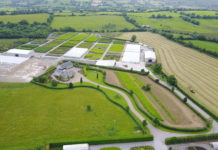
{"x": 159, "y": 135}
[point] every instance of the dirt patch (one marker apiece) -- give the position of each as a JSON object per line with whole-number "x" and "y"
{"x": 184, "y": 116}
{"x": 111, "y": 78}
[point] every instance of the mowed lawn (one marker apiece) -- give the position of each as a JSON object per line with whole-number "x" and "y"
{"x": 32, "y": 115}
{"x": 96, "y": 23}
{"x": 28, "y": 17}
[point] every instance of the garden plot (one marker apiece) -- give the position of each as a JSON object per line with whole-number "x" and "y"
{"x": 93, "y": 38}
{"x": 114, "y": 52}
{"x": 59, "y": 51}
{"x": 85, "y": 45}
{"x": 80, "y": 37}
{"x": 105, "y": 40}
{"x": 28, "y": 46}
{"x": 112, "y": 56}
{"x": 97, "y": 52}
{"x": 67, "y": 36}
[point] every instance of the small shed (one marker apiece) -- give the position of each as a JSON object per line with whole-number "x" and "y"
{"x": 19, "y": 53}
{"x": 214, "y": 145}
{"x": 150, "y": 57}
{"x": 76, "y": 147}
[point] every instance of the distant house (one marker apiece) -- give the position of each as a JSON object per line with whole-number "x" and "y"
{"x": 76, "y": 147}
{"x": 146, "y": 26}
{"x": 64, "y": 71}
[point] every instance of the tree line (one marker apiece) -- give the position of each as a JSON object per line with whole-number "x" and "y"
{"x": 193, "y": 15}
{"x": 190, "y": 20}
{"x": 159, "y": 16}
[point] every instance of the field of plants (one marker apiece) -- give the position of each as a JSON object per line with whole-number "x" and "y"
{"x": 6, "y": 44}
{"x": 28, "y": 17}
{"x": 94, "y": 23}
{"x": 58, "y": 116}
{"x": 195, "y": 71}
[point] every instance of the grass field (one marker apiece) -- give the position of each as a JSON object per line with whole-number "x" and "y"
{"x": 116, "y": 48}
{"x": 6, "y": 44}
{"x": 28, "y": 17}
{"x": 47, "y": 115}
{"x": 206, "y": 27}
{"x": 193, "y": 70}
{"x": 95, "y": 23}
{"x": 209, "y": 46}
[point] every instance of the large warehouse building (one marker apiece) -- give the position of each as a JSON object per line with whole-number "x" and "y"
{"x": 132, "y": 53}
{"x": 19, "y": 53}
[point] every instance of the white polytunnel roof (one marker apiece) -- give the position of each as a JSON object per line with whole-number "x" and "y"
{"x": 109, "y": 63}
{"x": 76, "y": 52}
{"x": 19, "y": 51}
{"x": 76, "y": 147}
{"x": 150, "y": 55}
{"x": 214, "y": 145}
{"x": 132, "y": 53}
{"x": 12, "y": 59}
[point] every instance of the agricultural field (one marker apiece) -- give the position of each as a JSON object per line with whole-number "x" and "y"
{"x": 208, "y": 46}
{"x": 6, "y": 44}
{"x": 93, "y": 38}
{"x": 28, "y": 46}
{"x": 112, "y": 56}
{"x": 55, "y": 43}
{"x": 116, "y": 48}
{"x": 67, "y": 36}
{"x": 42, "y": 49}
{"x": 194, "y": 71}
{"x": 105, "y": 40}
{"x": 94, "y": 23}
{"x": 31, "y": 18}
{"x": 59, "y": 51}
{"x": 85, "y": 45}
{"x": 177, "y": 24}
{"x": 80, "y": 37}
{"x": 52, "y": 111}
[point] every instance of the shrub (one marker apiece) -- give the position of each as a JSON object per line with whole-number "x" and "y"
{"x": 70, "y": 85}
{"x": 81, "y": 80}
{"x": 157, "y": 68}
{"x": 133, "y": 38}
{"x": 171, "y": 79}
{"x": 42, "y": 79}
{"x": 88, "y": 108}
{"x": 144, "y": 123}
{"x": 54, "y": 83}
{"x": 146, "y": 87}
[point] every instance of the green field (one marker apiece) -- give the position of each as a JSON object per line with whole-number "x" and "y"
{"x": 93, "y": 38}
{"x": 45, "y": 115}
{"x": 28, "y": 46}
{"x": 209, "y": 46}
{"x": 42, "y": 49}
{"x": 85, "y": 45}
{"x": 116, "y": 48}
{"x": 6, "y": 44}
{"x": 122, "y": 42}
{"x": 55, "y": 43}
{"x": 206, "y": 27}
{"x": 28, "y": 17}
{"x": 95, "y": 23}
{"x": 66, "y": 36}
{"x": 92, "y": 56}
{"x": 80, "y": 37}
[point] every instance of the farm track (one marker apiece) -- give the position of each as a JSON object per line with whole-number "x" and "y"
{"x": 192, "y": 69}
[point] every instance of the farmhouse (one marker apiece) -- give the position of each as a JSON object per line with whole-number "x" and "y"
{"x": 76, "y": 147}
{"x": 76, "y": 52}
{"x": 150, "y": 57}
{"x": 132, "y": 53}
{"x": 19, "y": 53}
{"x": 64, "y": 71}
{"x": 66, "y": 65}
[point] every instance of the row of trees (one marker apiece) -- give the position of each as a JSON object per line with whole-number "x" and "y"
{"x": 159, "y": 16}
{"x": 24, "y": 11}
{"x": 188, "y": 19}
{"x": 23, "y": 29}
{"x": 193, "y": 15}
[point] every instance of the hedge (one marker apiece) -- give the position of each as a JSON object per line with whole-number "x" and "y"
{"x": 189, "y": 139}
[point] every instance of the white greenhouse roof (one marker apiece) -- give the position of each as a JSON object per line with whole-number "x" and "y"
{"x": 76, "y": 147}
{"x": 214, "y": 145}
{"x": 12, "y": 59}
{"x": 76, "y": 52}
{"x": 132, "y": 53}
{"x": 19, "y": 51}
{"x": 109, "y": 63}
{"x": 133, "y": 48}
{"x": 150, "y": 55}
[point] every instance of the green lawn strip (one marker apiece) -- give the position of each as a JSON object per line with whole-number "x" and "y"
{"x": 104, "y": 46}
{"x": 116, "y": 48}
{"x": 140, "y": 84}
{"x": 85, "y": 45}
{"x": 121, "y": 42}
{"x": 130, "y": 85}
{"x": 55, "y": 43}
{"x": 209, "y": 46}
{"x": 111, "y": 57}
{"x": 105, "y": 40}
{"x": 67, "y": 36}
{"x": 42, "y": 49}
{"x": 52, "y": 111}
{"x": 92, "y": 38}
{"x": 80, "y": 37}
{"x": 92, "y": 56}
{"x": 110, "y": 148}
{"x": 70, "y": 44}
{"x": 27, "y": 47}
{"x": 39, "y": 41}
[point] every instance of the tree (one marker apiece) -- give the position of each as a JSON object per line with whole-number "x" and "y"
{"x": 54, "y": 83}
{"x": 131, "y": 92}
{"x": 144, "y": 123}
{"x": 146, "y": 87}
{"x": 88, "y": 108}
{"x": 157, "y": 68}
{"x": 156, "y": 121}
{"x": 133, "y": 38}
{"x": 81, "y": 80}
{"x": 127, "y": 108}
{"x": 97, "y": 75}
{"x": 70, "y": 85}
{"x": 185, "y": 100}
{"x": 171, "y": 79}
{"x": 23, "y": 22}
